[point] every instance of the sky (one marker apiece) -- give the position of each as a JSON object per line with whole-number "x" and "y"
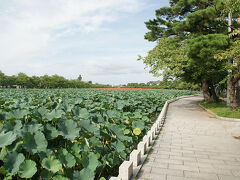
{"x": 98, "y": 39}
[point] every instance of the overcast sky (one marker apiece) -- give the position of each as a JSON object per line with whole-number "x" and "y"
{"x": 99, "y": 39}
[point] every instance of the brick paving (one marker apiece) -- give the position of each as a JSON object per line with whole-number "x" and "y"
{"x": 192, "y": 146}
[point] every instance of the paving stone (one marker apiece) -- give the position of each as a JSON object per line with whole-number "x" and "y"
{"x": 180, "y": 178}
{"x": 213, "y": 161}
{"x": 224, "y": 158}
{"x": 184, "y": 158}
{"x": 237, "y": 163}
{"x": 169, "y": 161}
{"x": 198, "y": 164}
{"x": 236, "y": 173}
{"x": 203, "y": 176}
{"x": 156, "y": 164}
{"x": 152, "y": 176}
{"x": 167, "y": 171}
{"x": 169, "y": 153}
{"x": 193, "y": 146}
{"x": 202, "y": 156}
{"x": 214, "y": 170}
{"x": 226, "y": 166}
{"x": 223, "y": 177}
{"x": 183, "y": 167}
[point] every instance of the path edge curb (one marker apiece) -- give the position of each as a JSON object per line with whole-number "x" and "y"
{"x": 219, "y": 117}
{"x": 130, "y": 168}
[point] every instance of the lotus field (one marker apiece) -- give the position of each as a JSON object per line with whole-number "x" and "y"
{"x": 75, "y": 134}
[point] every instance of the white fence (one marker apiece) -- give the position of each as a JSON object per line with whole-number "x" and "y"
{"x": 129, "y": 169}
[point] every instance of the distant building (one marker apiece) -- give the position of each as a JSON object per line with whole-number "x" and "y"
{"x": 17, "y": 86}
{"x": 153, "y": 83}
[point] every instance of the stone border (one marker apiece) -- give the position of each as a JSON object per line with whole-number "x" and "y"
{"x": 219, "y": 117}
{"x": 129, "y": 169}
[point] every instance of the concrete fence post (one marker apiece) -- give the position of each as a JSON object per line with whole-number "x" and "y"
{"x": 142, "y": 147}
{"x": 153, "y": 132}
{"x": 149, "y": 134}
{"x": 135, "y": 157}
{"x": 115, "y": 178}
{"x": 146, "y": 139}
{"x": 126, "y": 170}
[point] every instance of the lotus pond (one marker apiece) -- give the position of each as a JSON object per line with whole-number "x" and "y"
{"x": 73, "y": 134}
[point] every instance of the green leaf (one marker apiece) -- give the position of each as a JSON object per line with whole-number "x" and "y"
{"x": 138, "y": 124}
{"x": 45, "y": 174}
{"x": 14, "y": 126}
{"x": 34, "y": 143}
{"x": 51, "y": 132}
{"x": 118, "y": 132}
{"x": 17, "y": 114}
{"x": 86, "y": 125}
{"x": 119, "y": 146}
{"x": 67, "y": 107}
{"x": 8, "y": 178}
{"x": 112, "y": 113}
{"x": 12, "y": 162}
{"x": 27, "y": 169}
{"x": 137, "y": 131}
{"x": 51, "y": 164}
{"x": 59, "y": 177}
{"x": 56, "y": 113}
{"x": 126, "y": 131}
{"x": 66, "y": 158}
{"x": 90, "y": 161}
{"x": 84, "y": 174}
{"x": 80, "y": 112}
{"x": 3, "y": 153}
{"x": 6, "y": 138}
{"x": 42, "y": 111}
{"x": 120, "y": 104}
{"x": 32, "y": 127}
{"x": 2, "y": 171}
{"x": 102, "y": 178}
{"x": 68, "y": 129}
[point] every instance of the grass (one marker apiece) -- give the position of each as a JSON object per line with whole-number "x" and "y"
{"x": 221, "y": 109}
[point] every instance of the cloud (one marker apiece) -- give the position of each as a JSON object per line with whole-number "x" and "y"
{"x": 104, "y": 68}
{"x": 99, "y": 39}
{"x": 27, "y": 26}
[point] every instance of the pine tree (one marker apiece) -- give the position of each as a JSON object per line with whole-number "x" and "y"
{"x": 196, "y": 30}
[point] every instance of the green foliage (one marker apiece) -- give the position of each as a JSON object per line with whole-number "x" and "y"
{"x": 6, "y": 138}
{"x": 68, "y": 129}
{"x": 34, "y": 142}
{"x": 66, "y": 158}
{"x": 12, "y": 162}
{"x": 55, "y": 81}
{"x": 51, "y": 164}
{"x": 27, "y": 169}
{"x": 202, "y": 65}
{"x": 88, "y": 134}
{"x": 168, "y": 58}
{"x": 189, "y": 34}
{"x": 137, "y": 131}
{"x": 84, "y": 174}
{"x": 221, "y": 109}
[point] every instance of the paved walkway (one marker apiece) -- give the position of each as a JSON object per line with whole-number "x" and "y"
{"x": 193, "y": 146}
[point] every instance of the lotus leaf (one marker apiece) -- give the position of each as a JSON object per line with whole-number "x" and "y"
{"x": 27, "y": 169}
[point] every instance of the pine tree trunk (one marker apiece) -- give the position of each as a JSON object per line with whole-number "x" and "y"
{"x": 206, "y": 93}
{"x": 213, "y": 94}
{"x": 233, "y": 102}
{"x": 238, "y": 93}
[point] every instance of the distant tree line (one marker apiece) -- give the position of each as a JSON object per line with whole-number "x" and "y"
{"x": 55, "y": 81}
{"x": 166, "y": 84}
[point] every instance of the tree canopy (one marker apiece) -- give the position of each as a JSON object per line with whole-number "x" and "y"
{"x": 46, "y": 81}
{"x": 189, "y": 33}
